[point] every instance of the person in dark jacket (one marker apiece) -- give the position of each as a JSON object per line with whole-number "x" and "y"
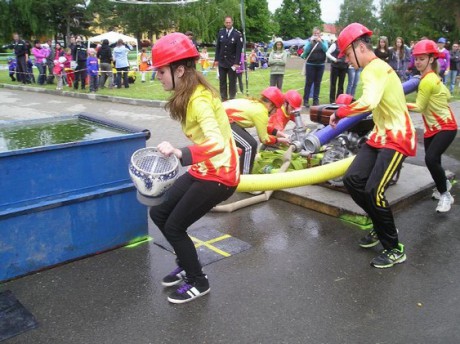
{"x": 339, "y": 70}
{"x": 80, "y": 55}
{"x": 228, "y": 54}
{"x": 22, "y": 55}
{"x": 104, "y": 54}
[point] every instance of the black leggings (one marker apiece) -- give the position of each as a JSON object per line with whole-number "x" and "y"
{"x": 435, "y": 146}
{"x": 248, "y": 145}
{"x": 186, "y": 202}
{"x": 366, "y": 180}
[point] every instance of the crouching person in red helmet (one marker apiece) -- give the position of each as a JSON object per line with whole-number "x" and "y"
{"x": 390, "y": 141}
{"x": 213, "y": 174}
{"x": 248, "y": 113}
{"x": 278, "y": 121}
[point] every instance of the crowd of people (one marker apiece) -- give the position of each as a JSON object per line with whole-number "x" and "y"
{"x": 75, "y": 66}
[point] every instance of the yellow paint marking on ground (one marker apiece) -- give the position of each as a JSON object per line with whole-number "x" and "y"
{"x": 209, "y": 245}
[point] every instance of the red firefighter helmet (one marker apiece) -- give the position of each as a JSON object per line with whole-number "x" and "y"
{"x": 294, "y": 99}
{"x": 173, "y": 47}
{"x": 426, "y": 46}
{"x": 351, "y": 33}
{"x": 274, "y": 95}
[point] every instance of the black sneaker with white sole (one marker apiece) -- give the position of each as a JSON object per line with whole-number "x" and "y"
{"x": 190, "y": 291}
{"x": 174, "y": 277}
{"x": 369, "y": 240}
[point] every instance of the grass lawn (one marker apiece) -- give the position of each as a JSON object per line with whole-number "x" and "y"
{"x": 257, "y": 81}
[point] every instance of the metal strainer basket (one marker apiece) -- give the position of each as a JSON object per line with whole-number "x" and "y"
{"x": 151, "y": 172}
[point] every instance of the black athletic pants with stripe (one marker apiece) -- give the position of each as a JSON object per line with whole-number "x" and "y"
{"x": 187, "y": 200}
{"x": 248, "y": 145}
{"x": 366, "y": 180}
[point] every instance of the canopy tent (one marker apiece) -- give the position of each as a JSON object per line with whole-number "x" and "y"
{"x": 295, "y": 41}
{"x": 113, "y": 38}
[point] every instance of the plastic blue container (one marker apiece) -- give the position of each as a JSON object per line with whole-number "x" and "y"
{"x": 66, "y": 193}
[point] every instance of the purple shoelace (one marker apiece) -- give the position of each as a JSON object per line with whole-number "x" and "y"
{"x": 183, "y": 289}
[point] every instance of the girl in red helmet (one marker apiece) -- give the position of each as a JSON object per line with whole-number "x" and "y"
{"x": 213, "y": 174}
{"x": 278, "y": 121}
{"x": 246, "y": 113}
{"x": 440, "y": 124}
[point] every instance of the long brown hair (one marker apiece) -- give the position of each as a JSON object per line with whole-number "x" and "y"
{"x": 178, "y": 102}
{"x": 402, "y": 51}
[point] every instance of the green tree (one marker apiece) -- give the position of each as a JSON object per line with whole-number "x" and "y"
{"x": 360, "y": 11}
{"x": 297, "y": 18}
{"x": 258, "y": 27}
{"x": 417, "y": 18}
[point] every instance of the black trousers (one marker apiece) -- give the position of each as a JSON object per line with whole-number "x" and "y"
{"x": 435, "y": 146}
{"x": 223, "y": 74}
{"x": 21, "y": 69}
{"x": 187, "y": 201}
{"x": 366, "y": 180}
{"x": 80, "y": 75}
{"x": 248, "y": 144}
{"x": 337, "y": 81}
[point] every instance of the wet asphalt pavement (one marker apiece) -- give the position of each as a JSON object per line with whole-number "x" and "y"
{"x": 304, "y": 279}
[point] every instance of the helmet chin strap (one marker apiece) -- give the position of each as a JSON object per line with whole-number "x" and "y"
{"x": 354, "y": 53}
{"x": 172, "y": 76}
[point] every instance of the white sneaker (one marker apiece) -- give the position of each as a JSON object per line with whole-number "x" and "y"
{"x": 445, "y": 202}
{"x": 437, "y": 195}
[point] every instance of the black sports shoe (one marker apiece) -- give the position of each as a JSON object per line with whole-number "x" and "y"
{"x": 388, "y": 258}
{"x": 174, "y": 277}
{"x": 370, "y": 240}
{"x": 190, "y": 291}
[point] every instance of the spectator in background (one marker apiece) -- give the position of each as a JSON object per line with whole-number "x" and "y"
{"x": 204, "y": 61}
{"x": 399, "y": 59}
{"x": 80, "y": 55}
{"x": 454, "y": 66}
{"x": 338, "y": 72}
{"x": 58, "y": 70}
{"x": 191, "y": 37}
{"x": 120, "y": 56}
{"x": 12, "y": 68}
{"x": 92, "y": 66}
{"x": 253, "y": 60}
{"x": 383, "y": 50}
{"x": 277, "y": 62}
{"x": 58, "y": 50}
{"x": 240, "y": 70}
{"x": 22, "y": 56}
{"x": 444, "y": 59}
{"x": 50, "y": 62}
{"x": 228, "y": 53}
{"x": 104, "y": 54}
{"x": 315, "y": 58}
{"x": 40, "y": 55}
{"x": 69, "y": 73}
{"x": 143, "y": 63}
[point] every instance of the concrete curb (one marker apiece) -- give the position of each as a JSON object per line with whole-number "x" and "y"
{"x": 92, "y": 96}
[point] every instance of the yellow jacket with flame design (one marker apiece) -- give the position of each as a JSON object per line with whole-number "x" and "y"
{"x": 214, "y": 155}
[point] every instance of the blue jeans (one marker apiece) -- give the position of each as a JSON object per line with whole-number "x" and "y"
{"x": 314, "y": 75}
{"x": 452, "y": 77}
{"x": 41, "y": 73}
{"x": 353, "y": 79}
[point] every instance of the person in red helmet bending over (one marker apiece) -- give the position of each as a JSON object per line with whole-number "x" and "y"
{"x": 246, "y": 113}
{"x": 391, "y": 140}
{"x": 213, "y": 174}
{"x": 440, "y": 123}
{"x": 278, "y": 121}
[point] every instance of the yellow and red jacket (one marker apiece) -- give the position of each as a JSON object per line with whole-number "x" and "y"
{"x": 249, "y": 113}
{"x": 214, "y": 155}
{"x": 432, "y": 102}
{"x": 279, "y": 120}
{"x": 383, "y": 95}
